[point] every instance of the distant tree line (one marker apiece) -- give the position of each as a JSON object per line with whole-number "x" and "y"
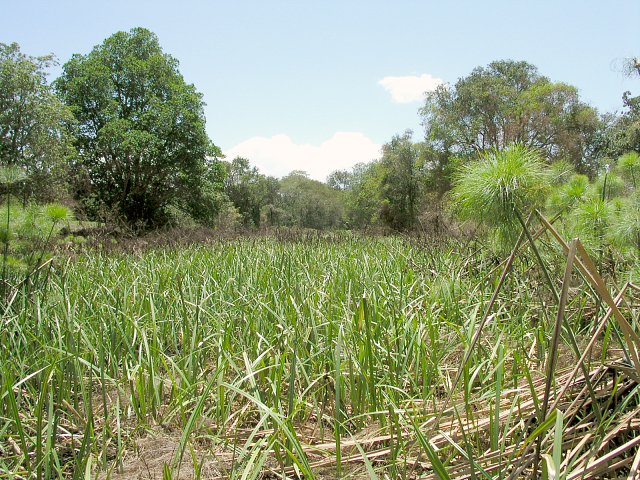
{"x": 121, "y": 136}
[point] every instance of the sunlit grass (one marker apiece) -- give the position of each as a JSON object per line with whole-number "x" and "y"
{"x": 255, "y": 349}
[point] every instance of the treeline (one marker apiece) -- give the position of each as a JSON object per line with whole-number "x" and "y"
{"x": 121, "y": 137}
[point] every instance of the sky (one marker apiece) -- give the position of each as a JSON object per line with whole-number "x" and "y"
{"x": 321, "y": 85}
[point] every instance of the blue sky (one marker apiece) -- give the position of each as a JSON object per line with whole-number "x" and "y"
{"x": 321, "y": 85}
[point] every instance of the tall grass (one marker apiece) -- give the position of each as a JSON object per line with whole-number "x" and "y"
{"x": 259, "y": 355}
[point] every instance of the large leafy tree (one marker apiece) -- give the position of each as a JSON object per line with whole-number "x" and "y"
{"x": 249, "y": 190}
{"x": 361, "y": 188}
{"x": 402, "y": 181}
{"x": 623, "y": 131}
{"x": 340, "y": 180}
{"x": 32, "y": 121}
{"x": 510, "y": 102}
{"x": 389, "y": 191}
{"x": 141, "y": 133}
{"x": 308, "y": 203}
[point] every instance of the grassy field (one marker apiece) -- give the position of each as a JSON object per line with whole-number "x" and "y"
{"x": 335, "y": 356}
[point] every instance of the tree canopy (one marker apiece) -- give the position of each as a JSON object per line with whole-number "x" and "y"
{"x": 141, "y": 136}
{"x": 308, "y": 203}
{"x": 32, "y": 120}
{"x": 402, "y": 182}
{"x": 623, "y": 132}
{"x": 125, "y": 133}
{"x": 249, "y": 190}
{"x": 510, "y": 102}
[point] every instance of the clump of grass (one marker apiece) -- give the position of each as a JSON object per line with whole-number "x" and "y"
{"x": 500, "y": 188}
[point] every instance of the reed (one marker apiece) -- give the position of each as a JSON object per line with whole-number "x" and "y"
{"x": 344, "y": 357}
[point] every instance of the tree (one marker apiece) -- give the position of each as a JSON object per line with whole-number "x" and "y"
{"x": 388, "y": 191}
{"x": 309, "y": 203}
{"x": 32, "y": 120}
{"x": 340, "y": 180}
{"x": 249, "y": 190}
{"x": 207, "y": 199}
{"x": 363, "y": 194}
{"x": 510, "y": 102}
{"x": 622, "y": 133}
{"x": 141, "y": 133}
{"x": 401, "y": 182}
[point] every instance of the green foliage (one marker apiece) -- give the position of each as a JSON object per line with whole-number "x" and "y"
{"x": 402, "y": 182}
{"x": 56, "y": 212}
{"x": 608, "y": 185}
{"x": 561, "y": 171}
{"x": 590, "y": 220}
{"x": 206, "y": 201}
{"x": 340, "y": 180}
{"x": 499, "y": 186}
{"x": 141, "y": 135}
{"x": 362, "y": 197}
{"x": 214, "y": 341}
{"x": 629, "y": 167}
{"x": 309, "y": 203}
{"x": 568, "y": 194}
{"x": 389, "y": 191}
{"x": 11, "y": 174}
{"x": 622, "y": 132}
{"x": 32, "y": 121}
{"x": 603, "y": 213}
{"x": 258, "y": 347}
{"x": 27, "y": 241}
{"x": 509, "y": 102}
{"x": 248, "y": 190}
{"x": 626, "y": 224}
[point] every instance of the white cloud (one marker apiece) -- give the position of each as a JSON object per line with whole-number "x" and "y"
{"x": 411, "y": 88}
{"x": 279, "y": 155}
